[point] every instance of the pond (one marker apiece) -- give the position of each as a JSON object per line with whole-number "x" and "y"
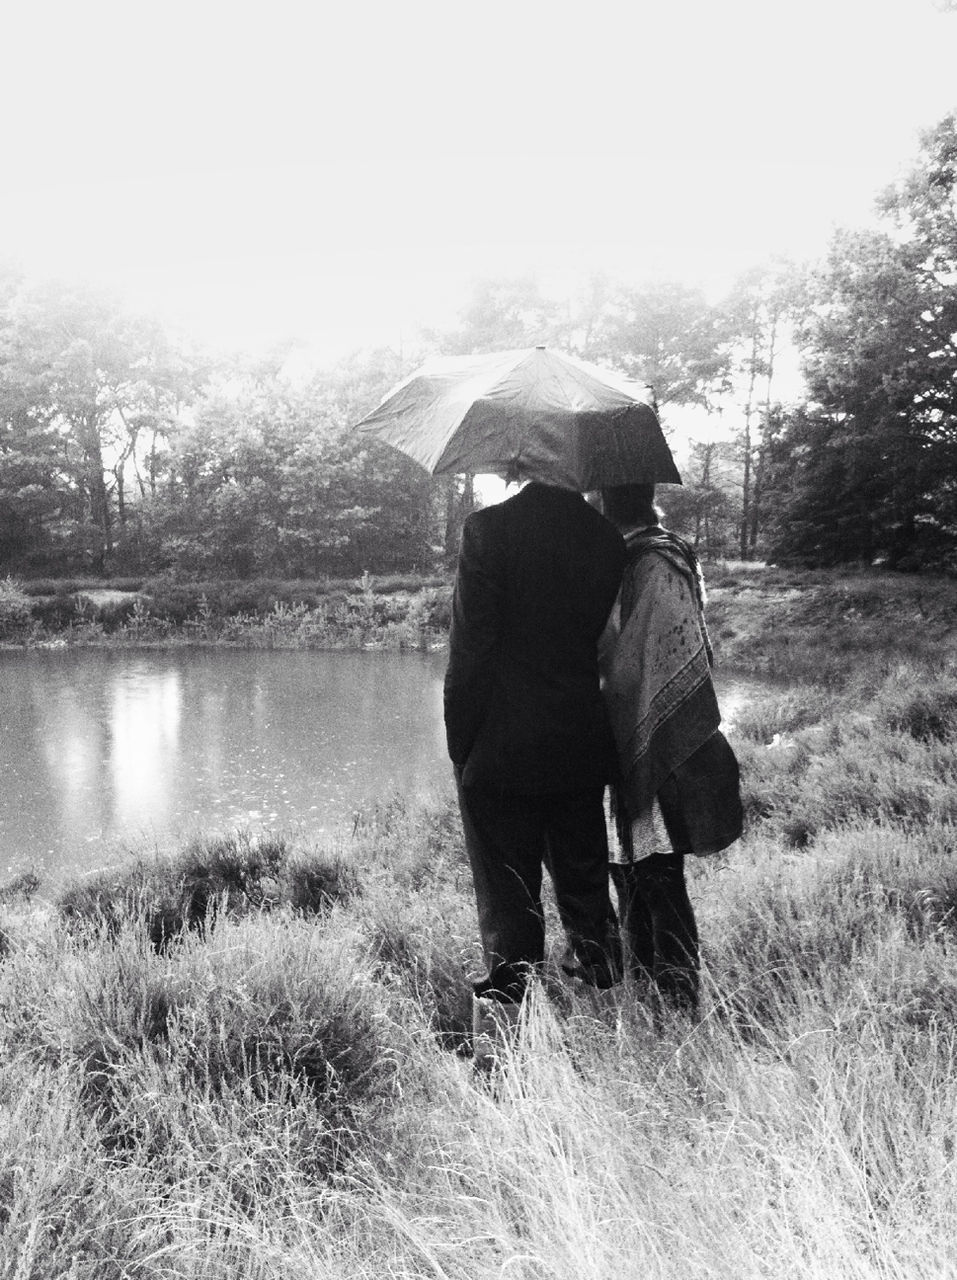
{"x": 104, "y": 753}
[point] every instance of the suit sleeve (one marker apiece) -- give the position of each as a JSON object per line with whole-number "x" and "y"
{"x": 473, "y": 640}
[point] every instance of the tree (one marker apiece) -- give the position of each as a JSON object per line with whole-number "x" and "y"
{"x": 755, "y": 317}
{"x": 866, "y": 468}
{"x": 81, "y": 382}
{"x": 663, "y": 335}
{"x": 503, "y": 315}
{"x": 27, "y": 451}
{"x": 880, "y": 367}
{"x": 821, "y": 493}
{"x": 705, "y": 508}
{"x": 270, "y": 477}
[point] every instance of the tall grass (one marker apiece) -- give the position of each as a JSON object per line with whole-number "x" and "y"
{"x": 273, "y": 1081}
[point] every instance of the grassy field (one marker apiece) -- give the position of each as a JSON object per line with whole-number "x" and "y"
{"x": 251, "y": 1060}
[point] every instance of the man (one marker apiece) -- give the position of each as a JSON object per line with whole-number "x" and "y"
{"x": 527, "y": 730}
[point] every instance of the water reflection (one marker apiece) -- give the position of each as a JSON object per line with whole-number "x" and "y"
{"x": 145, "y": 713}
{"x": 102, "y": 753}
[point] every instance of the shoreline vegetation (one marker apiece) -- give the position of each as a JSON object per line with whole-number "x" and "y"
{"x": 251, "y": 1059}
{"x": 386, "y": 611}
{"x": 763, "y": 620}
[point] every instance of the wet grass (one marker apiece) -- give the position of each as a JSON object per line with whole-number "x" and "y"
{"x": 232, "y": 875}
{"x": 817, "y": 627}
{"x": 248, "y": 1059}
{"x": 883, "y": 749}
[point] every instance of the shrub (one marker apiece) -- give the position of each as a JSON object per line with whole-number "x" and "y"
{"x": 175, "y": 603}
{"x": 14, "y": 609}
{"x": 57, "y": 611}
{"x": 782, "y": 712}
{"x": 23, "y": 886}
{"x": 928, "y": 712}
{"x": 231, "y": 875}
{"x": 114, "y": 614}
{"x": 313, "y": 885}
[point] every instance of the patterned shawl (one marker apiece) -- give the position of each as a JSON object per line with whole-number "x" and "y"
{"x": 658, "y": 687}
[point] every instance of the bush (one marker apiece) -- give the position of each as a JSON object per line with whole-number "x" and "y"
{"x": 22, "y": 887}
{"x": 313, "y": 885}
{"x": 927, "y": 713}
{"x": 58, "y": 611}
{"x": 232, "y": 875}
{"x": 168, "y": 1052}
{"x": 14, "y": 609}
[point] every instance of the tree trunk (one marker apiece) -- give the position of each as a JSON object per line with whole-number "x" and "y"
{"x": 120, "y": 497}
{"x": 746, "y": 495}
{"x": 153, "y": 466}
{"x": 458, "y": 504}
{"x": 99, "y": 498}
{"x": 756, "y": 501}
{"x": 703, "y": 513}
{"x": 762, "y": 448}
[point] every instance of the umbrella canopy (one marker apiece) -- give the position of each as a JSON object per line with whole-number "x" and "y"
{"x": 531, "y": 414}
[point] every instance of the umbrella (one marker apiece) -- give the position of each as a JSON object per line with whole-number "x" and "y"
{"x": 531, "y": 414}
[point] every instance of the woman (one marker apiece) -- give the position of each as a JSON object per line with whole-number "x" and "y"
{"x": 677, "y": 792}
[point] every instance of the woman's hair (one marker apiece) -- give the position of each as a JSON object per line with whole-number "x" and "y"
{"x": 631, "y": 504}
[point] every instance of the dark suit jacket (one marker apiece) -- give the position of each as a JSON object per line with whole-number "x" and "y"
{"x": 537, "y": 577}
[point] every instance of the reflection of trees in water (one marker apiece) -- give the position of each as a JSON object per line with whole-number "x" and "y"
{"x": 114, "y": 750}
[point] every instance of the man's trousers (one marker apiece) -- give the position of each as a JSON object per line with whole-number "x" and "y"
{"x": 508, "y": 839}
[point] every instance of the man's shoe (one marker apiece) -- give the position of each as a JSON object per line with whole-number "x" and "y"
{"x": 494, "y": 1028}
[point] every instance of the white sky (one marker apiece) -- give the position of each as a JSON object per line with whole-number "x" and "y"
{"x": 340, "y": 174}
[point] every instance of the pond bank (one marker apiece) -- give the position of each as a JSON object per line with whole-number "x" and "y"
{"x": 390, "y": 613}
{"x": 824, "y": 626}
{"x": 764, "y": 621}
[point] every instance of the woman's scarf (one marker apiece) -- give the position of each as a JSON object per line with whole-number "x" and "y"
{"x": 658, "y": 688}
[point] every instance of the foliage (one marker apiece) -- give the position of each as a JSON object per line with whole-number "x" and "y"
{"x": 82, "y": 384}
{"x": 391, "y": 611}
{"x": 120, "y": 452}
{"x": 664, "y": 335}
{"x": 232, "y": 876}
{"x": 866, "y": 469}
{"x": 14, "y": 609}
{"x": 503, "y": 315}
{"x": 758, "y": 315}
{"x": 705, "y": 508}
{"x": 278, "y": 483}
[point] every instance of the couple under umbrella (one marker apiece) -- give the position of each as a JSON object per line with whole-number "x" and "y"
{"x": 578, "y": 660}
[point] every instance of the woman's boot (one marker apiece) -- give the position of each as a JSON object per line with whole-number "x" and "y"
{"x": 637, "y": 933}
{"x": 660, "y": 931}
